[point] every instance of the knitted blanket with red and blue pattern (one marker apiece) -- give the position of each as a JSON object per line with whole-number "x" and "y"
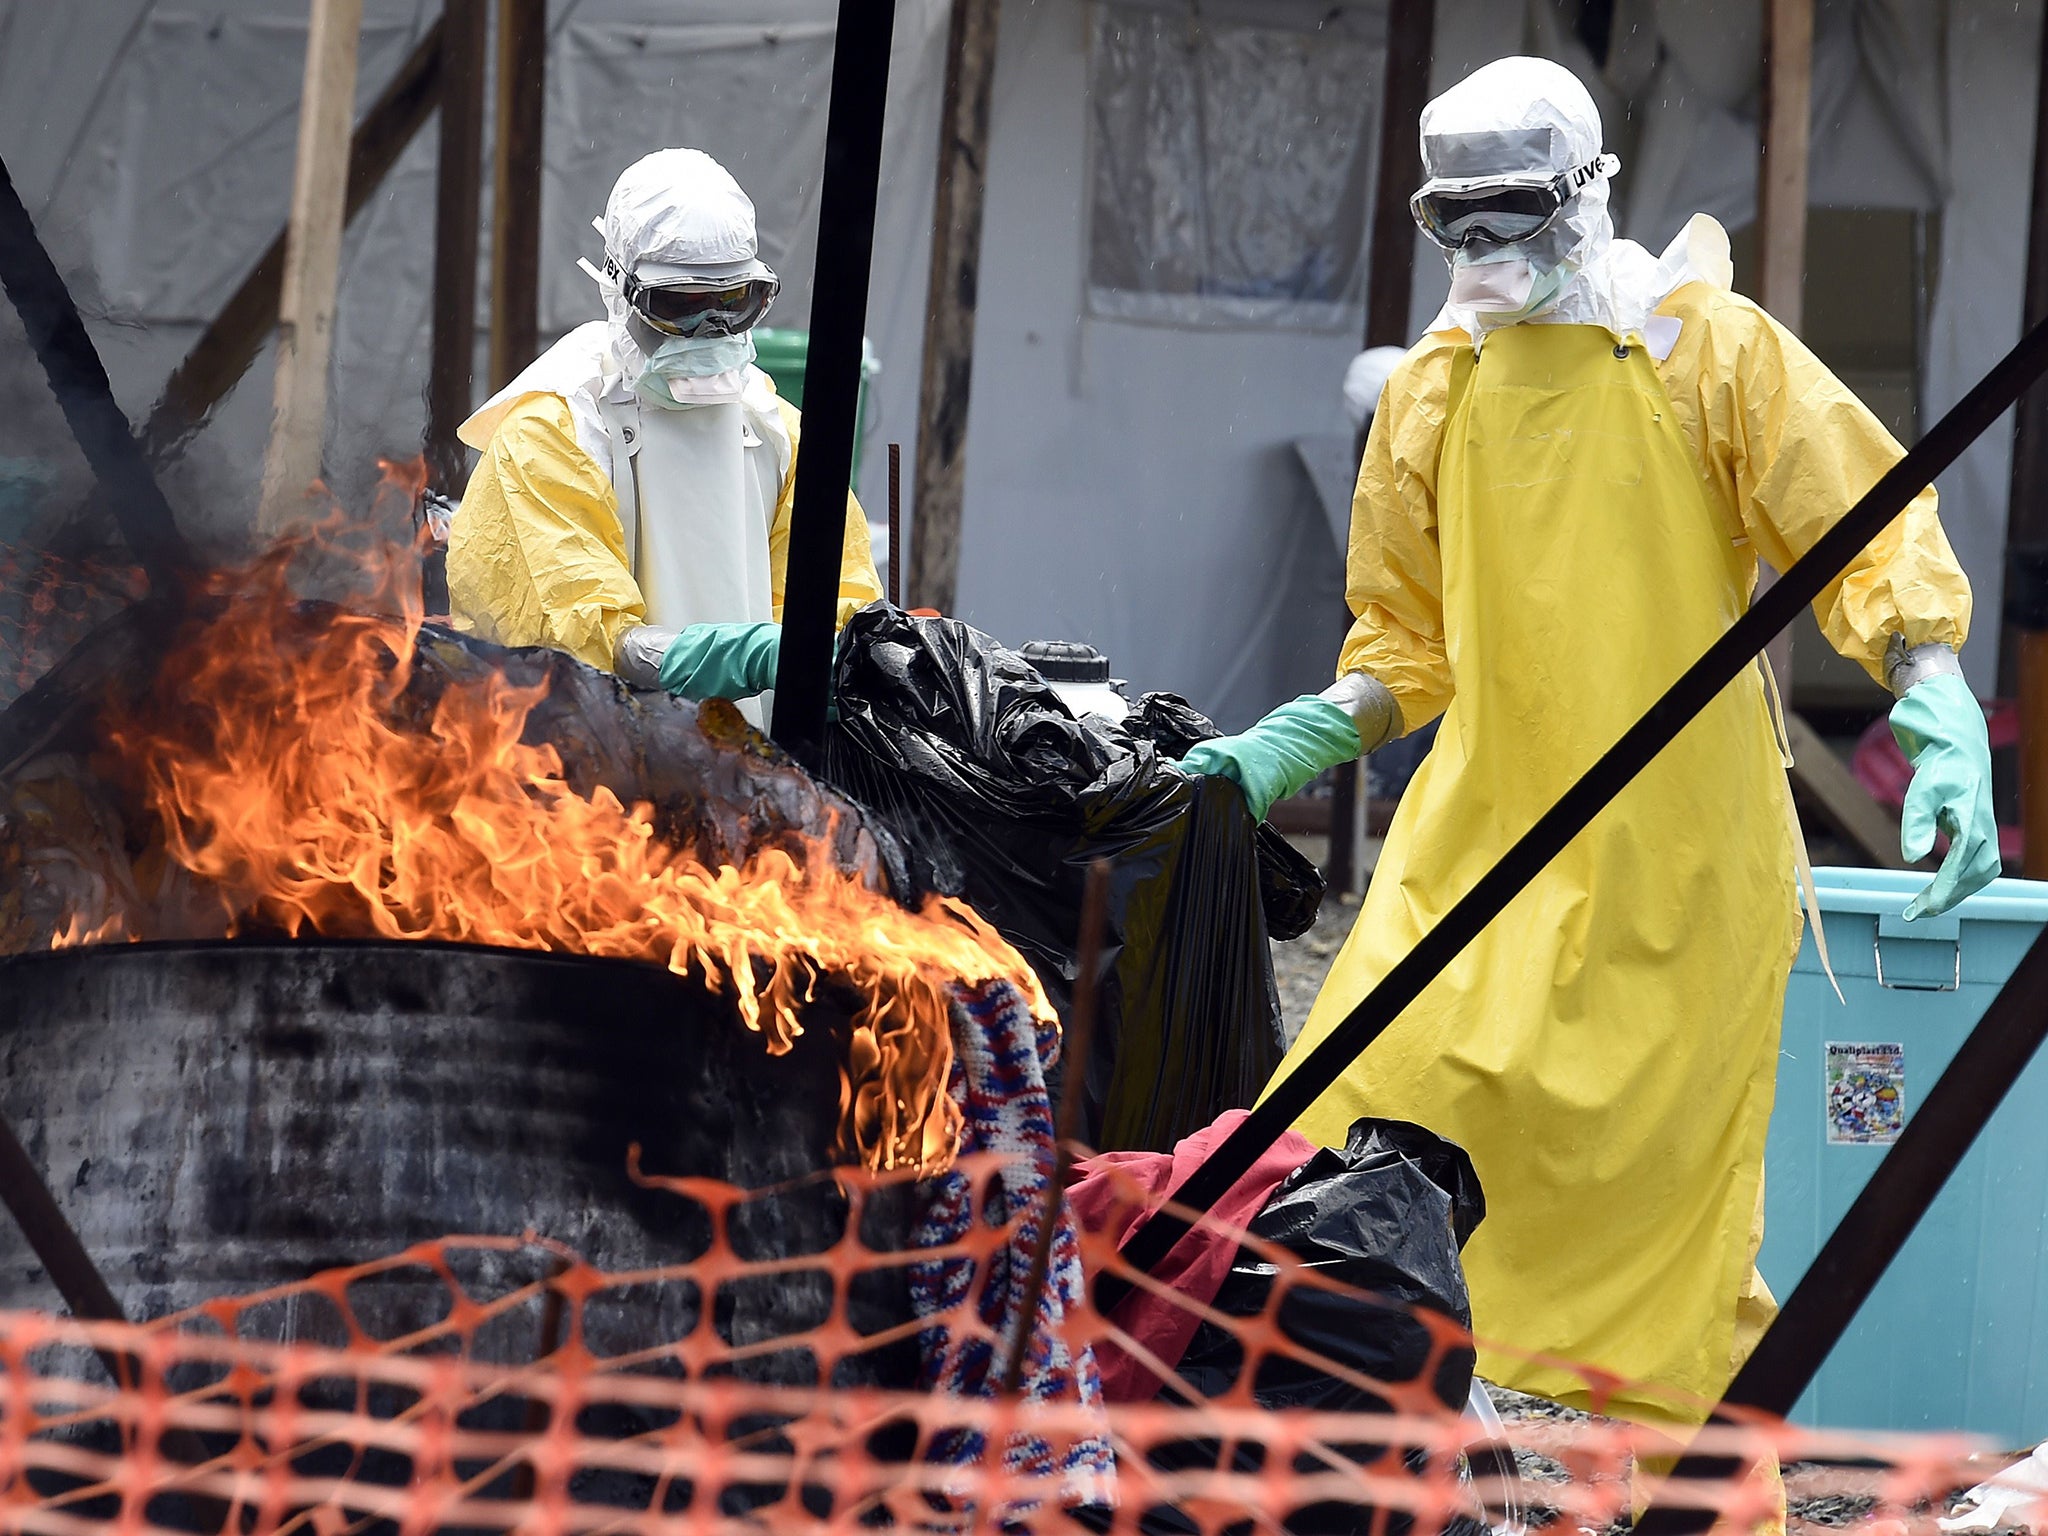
{"x": 1000, "y": 1053}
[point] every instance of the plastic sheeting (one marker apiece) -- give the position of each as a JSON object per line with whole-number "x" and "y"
{"x": 153, "y": 142}
{"x": 1991, "y": 61}
{"x": 1005, "y": 797}
{"x": 1205, "y": 207}
{"x": 1129, "y": 484}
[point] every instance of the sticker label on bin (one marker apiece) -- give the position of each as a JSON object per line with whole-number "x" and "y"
{"x": 1866, "y": 1093}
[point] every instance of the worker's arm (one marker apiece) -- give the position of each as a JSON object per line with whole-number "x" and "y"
{"x": 859, "y": 585}
{"x": 1392, "y": 676}
{"x": 1394, "y": 570}
{"x": 1802, "y": 449}
{"x": 536, "y": 555}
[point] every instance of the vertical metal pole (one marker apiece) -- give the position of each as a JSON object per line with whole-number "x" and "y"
{"x": 839, "y": 305}
{"x": 458, "y": 208}
{"x": 896, "y": 525}
{"x": 515, "y": 187}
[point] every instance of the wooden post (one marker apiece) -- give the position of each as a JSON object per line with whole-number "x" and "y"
{"x": 2026, "y": 529}
{"x": 458, "y": 209}
{"x": 949, "y": 317}
{"x": 312, "y": 261}
{"x": 229, "y": 345}
{"x": 1782, "y": 143}
{"x": 2025, "y": 660}
{"x": 515, "y": 188}
{"x": 1782, "y": 163}
{"x": 2033, "y": 683}
{"x": 1411, "y": 32}
{"x": 1390, "y": 273}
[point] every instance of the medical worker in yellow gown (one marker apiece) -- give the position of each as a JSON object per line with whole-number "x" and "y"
{"x": 632, "y": 503}
{"x": 1565, "y": 493}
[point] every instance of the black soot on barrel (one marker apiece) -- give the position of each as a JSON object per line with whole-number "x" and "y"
{"x": 217, "y": 1118}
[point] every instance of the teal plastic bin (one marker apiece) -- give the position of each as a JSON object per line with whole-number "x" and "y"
{"x": 1956, "y": 1334}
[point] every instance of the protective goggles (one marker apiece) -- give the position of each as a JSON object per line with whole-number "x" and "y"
{"x": 1501, "y": 210}
{"x": 699, "y": 309}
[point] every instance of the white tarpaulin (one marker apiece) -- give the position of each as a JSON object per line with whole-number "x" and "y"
{"x": 153, "y": 142}
{"x": 1132, "y": 476}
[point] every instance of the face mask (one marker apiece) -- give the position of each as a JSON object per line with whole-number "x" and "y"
{"x": 690, "y": 370}
{"x": 1493, "y": 284}
{"x": 1503, "y": 285}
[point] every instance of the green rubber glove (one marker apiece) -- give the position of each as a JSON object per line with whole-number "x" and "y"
{"x": 1940, "y": 728}
{"x": 1281, "y": 753}
{"x": 722, "y": 661}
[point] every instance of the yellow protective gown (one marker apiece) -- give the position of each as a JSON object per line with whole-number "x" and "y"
{"x": 538, "y": 556}
{"x": 1543, "y": 538}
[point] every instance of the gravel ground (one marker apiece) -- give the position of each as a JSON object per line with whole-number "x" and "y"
{"x": 1300, "y": 964}
{"x": 1816, "y": 1499}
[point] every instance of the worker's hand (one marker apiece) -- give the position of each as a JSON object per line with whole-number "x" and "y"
{"x": 722, "y": 661}
{"x": 702, "y": 661}
{"x": 1280, "y": 754}
{"x": 1940, "y": 728}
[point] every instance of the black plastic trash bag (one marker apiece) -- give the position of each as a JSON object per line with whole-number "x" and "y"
{"x": 1002, "y": 796}
{"x": 1388, "y": 1214}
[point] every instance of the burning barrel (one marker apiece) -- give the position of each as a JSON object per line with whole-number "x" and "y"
{"x": 331, "y": 934}
{"x": 220, "y": 1118}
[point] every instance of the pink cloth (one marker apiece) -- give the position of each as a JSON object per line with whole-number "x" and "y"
{"x": 1103, "y": 1199}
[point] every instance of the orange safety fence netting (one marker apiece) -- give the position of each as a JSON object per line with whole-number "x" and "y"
{"x": 499, "y": 1384}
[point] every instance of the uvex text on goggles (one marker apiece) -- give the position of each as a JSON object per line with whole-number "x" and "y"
{"x": 699, "y": 307}
{"x": 1500, "y": 209}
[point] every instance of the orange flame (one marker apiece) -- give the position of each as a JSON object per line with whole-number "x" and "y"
{"x": 282, "y": 775}
{"x": 76, "y": 932}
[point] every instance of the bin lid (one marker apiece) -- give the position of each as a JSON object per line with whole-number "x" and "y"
{"x": 1882, "y": 892}
{"x": 1066, "y": 661}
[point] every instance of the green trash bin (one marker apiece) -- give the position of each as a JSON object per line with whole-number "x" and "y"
{"x": 780, "y": 354}
{"x": 1956, "y": 1334}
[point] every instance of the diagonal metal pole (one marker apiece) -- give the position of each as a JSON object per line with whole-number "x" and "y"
{"x": 839, "y": 306}
{"x": 79, "y": 381}
{"x": 1287, "y": 1099}
{"x": 1874, "y": 1229}
{"x": 85, "y": 1291}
